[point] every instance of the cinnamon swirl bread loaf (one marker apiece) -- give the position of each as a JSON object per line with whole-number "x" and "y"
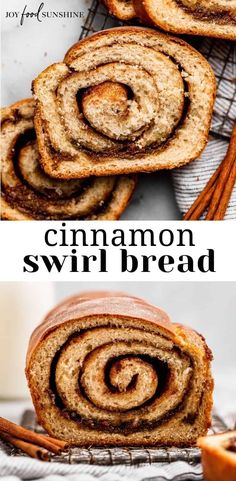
{"x": 110, "y": 369}
{"x": 124, "y": 100}
{"x": 213, "y": 18}
{"x": 28, "y": 193}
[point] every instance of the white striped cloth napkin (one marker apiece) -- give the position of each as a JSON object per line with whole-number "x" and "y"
{"x": 190, "y": 180}
{"x": 14, "y": 469}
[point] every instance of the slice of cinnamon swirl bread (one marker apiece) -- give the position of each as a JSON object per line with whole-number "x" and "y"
{"x": 210, "y": 18}
{"x": 28, "y": 193}
{"x": 124, "y": 100}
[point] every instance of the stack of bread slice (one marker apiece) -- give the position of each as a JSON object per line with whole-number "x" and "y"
{"x": 123, "y": 101}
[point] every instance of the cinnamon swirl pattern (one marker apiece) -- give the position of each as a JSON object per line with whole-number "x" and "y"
{"x": 124, "y": 100}
{"x": 108, "y": 369}
{"x": 213, "y": 18}
{"x": 29, "y": 193}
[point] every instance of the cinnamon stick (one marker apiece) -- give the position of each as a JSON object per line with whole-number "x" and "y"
{"x": 53, "y": 445}
{"x": 202, "y": 202}
{"x": 31, "y": 449}
{"x": 216, "y": 195}
{"x": 61, "y": 444}
{"x": 224, "y": 190}
{"x": 222, "y": 207}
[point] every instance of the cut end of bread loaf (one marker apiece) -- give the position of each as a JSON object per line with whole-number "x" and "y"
{"x": 110, "y": 369}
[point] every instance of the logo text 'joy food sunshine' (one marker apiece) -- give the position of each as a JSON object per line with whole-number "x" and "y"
{"x": 41, "y": 14}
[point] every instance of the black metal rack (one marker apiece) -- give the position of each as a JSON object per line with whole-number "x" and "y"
{"x": 113, "y": 456}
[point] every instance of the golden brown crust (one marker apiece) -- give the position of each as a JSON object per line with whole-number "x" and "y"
{"x": 148, "y": 138}
{"x": 101, "y": 303}
{"x": 125, "y": 332}
{"x": 219, "y": 456}
{"x": 28, "y": 193}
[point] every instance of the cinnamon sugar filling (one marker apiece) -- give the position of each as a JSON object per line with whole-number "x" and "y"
{"x": 117, "y": 108}
{"x": 102, "y": 385}
{"x": 124, "y": 149}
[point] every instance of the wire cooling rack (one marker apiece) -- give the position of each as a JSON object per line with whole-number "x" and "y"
{"x": 220, "y": 54}
{"x": 113, "y": 456}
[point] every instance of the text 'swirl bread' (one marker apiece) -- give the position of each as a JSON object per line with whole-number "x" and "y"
{"x": 124, "y": 100}
{"x": 213, "y": 18}
{"x": 28, "y": 193}
{"x": 109, "y": 369}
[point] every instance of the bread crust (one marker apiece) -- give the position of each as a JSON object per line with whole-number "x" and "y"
{"x": 102, "y": 303}
{"x": 166, "y": 156}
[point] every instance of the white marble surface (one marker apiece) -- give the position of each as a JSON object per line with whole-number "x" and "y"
{"x": 28, "y": 49}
